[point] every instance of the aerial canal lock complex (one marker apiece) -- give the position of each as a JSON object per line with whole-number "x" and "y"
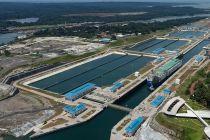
{"x": 87, "y": 88}
{"x": 132, "y": 85}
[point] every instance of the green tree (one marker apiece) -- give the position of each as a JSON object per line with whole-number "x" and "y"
{"x": 201, "y": 93}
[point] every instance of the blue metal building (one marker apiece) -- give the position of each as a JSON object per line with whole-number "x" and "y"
{"x": 75, "y": 111}
{"x": 79, "y": 92}
{"x": 157, "y": 101}
{"x": 167, "y": 91}
{"x": 198, "y": 58}
{"x": 116, "y": 86}
{"x": 134, "y": 126}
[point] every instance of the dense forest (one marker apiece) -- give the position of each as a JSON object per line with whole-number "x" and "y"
{"x": 201, "y": 88}
{"x": 91, "y": 31}
{"x": 57, "y": 13}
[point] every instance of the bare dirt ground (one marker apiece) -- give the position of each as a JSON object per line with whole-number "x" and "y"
{"x": 10, "y": 63}
{"x": 20, "y": 102}
{"x": 56, "y": 45}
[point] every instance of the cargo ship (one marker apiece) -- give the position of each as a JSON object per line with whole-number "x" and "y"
{"x": 159, "y": 75}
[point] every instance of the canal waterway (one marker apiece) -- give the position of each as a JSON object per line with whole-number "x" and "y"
{"x": 102, "y": 72}
{"x": 187, "y": 34}
{"x": 150, "y": 45}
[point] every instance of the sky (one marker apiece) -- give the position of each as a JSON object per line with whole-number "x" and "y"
{"x": 104, "y": 0}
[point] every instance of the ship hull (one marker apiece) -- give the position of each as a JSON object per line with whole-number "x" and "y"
{"x": 155, "y": 81}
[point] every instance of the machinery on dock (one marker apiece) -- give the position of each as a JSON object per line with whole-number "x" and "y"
{"x": 157, "y": 77}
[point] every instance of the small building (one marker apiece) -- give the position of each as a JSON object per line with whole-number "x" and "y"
{"x": 157, "y": 101}
{"x": 131, "y": 129}
{"x": 80, "y": 91}
{"x": 207, "y": 51}
{"x": 116, "y": 86}
{"x": 198, "y": 58}
{"x": 105, "y": 40}
{"x": 22, "y": 37}
{"x": 76, "y": 110}
{"x": 167, "y": 91}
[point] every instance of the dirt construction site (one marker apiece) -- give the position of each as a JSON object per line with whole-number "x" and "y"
{"x": 30, "y": 109}
{"x": 54, "y": 46}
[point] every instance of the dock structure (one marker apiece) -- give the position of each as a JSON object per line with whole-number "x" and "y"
{"x": 118, "y": 107}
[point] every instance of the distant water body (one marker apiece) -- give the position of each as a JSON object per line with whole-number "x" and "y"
{"x": 8, "y": 37}
{"x": 25, "y": 20}
{"x": 204, "y": 5}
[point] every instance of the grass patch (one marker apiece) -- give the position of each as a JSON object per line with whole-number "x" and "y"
{"x": 187, "y": 129}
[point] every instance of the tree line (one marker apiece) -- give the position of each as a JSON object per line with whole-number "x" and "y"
{"x": 89, "y": 31}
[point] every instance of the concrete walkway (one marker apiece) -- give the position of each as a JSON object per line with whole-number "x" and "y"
{"x": 190, "y": 114}
{"x": 197, "y": 115}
